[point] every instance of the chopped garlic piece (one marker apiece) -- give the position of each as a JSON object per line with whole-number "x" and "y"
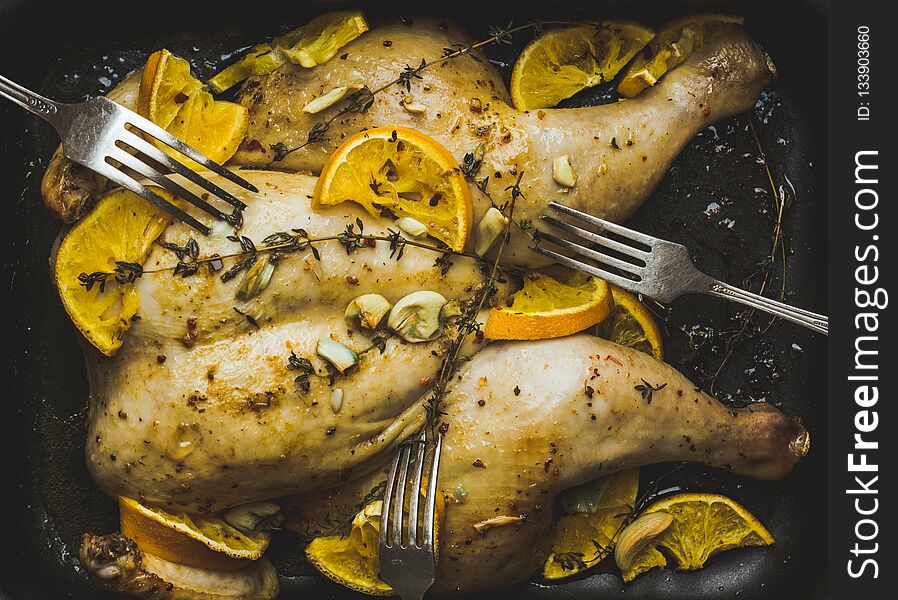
{"x": 411, "y": 226}
{"x": 563, "y": 172}
{"x": 409, "y": 104}
{"x": 330, "y": 98}
{"x": 488, "y": 230}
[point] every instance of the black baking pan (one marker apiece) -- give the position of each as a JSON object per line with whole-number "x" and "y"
{"x": 716, "y": 199}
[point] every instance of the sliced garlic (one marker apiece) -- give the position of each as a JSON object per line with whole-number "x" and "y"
{"x": 248, "y": 517}
{"x": 484, "y": 526}
{"x": 341, "y": 357}
{"x": 461, "y": 494}
{"x": 409, "y": 104}
{"x": 411, "y": 226}
{"x": 367, "y": 311}
{"x": 330, "y": 98}
{"x": 488, "y": 230}
{"x": 563, "y": 172}
{"x": 255, "y": 279}
{"x": 637, "y": 535}
{"x": 416, "y": 318}
{"x": 450, "y": 310}
{"x": 337, "y": 400}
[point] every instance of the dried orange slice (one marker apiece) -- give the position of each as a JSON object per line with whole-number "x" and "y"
{"x": 562, "y": 62}
{"x": 673, "y": 44}
{"x": 400, "y": 171}
{"x": 97, "y": 261}
{"x": 631, "y": 324}
{"x": 352, "y": 560}
{"x": 205, "y": 542}
{"x": 313, "y": 44}
{"x": 547, "y": 308}
{"x": 595, "y": 513}
{"x": 702, "y": 526}
{"x": 173, "y": 99}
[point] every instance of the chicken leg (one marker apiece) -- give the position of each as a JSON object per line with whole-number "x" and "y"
{"x": 619, "y": 151}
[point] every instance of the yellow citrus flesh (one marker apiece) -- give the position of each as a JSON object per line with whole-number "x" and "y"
{"x": 404, "y": 172}
{"x": 172, "y": 98}
{"x": 672, "y": 45}
{"x": 320, "y": 39}
{"x": 313, "y": 44}
{"x": 120, "y": 229}
{"x": 353, "y": 560}
{"x": 205, "y": 542}
{"x": 562, "y": 62}
{"x": 585, "y": 537}
{"x": 703, "y": 525}
{"x": 631, "y": 324}
{"x": 547, "y": 308}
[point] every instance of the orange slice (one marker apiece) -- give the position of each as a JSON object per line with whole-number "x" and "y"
{"x": 547, "y": 308}
{"x": 172, "y": 98}
{"x": 205, "y": 542}
{"x": 631, "y": 324}
{"x": 702, "y": 526}
{"x": 400, "y": 171}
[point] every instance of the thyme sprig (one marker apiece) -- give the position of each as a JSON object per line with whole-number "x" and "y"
{"x": 299, "y": 239}
{"x": 363, "y": 99}
{"x": 467, "y": 323}
{"x": 125, "y": 272}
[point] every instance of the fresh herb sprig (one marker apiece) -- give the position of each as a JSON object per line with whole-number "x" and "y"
{"x": 363, "y": 99}
{"x": 467, "y": 323}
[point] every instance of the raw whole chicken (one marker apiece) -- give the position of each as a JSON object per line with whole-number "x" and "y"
{"x": 198, "y": 411}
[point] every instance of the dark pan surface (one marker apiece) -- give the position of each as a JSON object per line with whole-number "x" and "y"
{"x": 717, "y": 199}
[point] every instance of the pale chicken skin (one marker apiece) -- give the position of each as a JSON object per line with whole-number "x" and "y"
{"x": 199, "y": 410}
{"x": 618, "y": 151}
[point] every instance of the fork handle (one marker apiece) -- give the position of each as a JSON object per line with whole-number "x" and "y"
{"x": 813, "y": 321}
{"x": 30, "y": 101}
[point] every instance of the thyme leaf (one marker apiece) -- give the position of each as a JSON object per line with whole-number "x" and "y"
{"x": 647, "y": 389}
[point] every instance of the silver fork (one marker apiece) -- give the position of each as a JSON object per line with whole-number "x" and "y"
{"x": 651, "y": 266}
{"x": 105, "y": 137}
{"x": 407, "y": 560}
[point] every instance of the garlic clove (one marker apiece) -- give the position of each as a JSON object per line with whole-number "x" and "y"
{"x": 450, "y": 310}
{"x": 484, "y": 526}
{"x": 412, "y": 106}
{"x": 488, "y": 230}
{"x": 411, "y": 226}
{"x": 637, "y": 535}
{"x": 563, "y": 172}
{"x": 337, "y": 400}
{"x": 367, "y": 311}
{"x": 341, "y": 357}
{"x": 416, "y": 317}
{"x": 330, "y": 98}
{"x": 255, "y": 279}
{"x": 249, "y": 517}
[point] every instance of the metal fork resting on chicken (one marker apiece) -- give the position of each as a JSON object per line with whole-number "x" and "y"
{"x": 198, "y": 411}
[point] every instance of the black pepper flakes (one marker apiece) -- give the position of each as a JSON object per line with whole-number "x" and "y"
{"x": 330, "y": 431}
{"x": 517, "y": 391}
{"x": 479, "y": 464}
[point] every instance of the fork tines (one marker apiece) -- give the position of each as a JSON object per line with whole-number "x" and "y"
{"x": 406, "y": 530}
{"x": 132, "y": 153}
{"x": 620, "y": 254}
